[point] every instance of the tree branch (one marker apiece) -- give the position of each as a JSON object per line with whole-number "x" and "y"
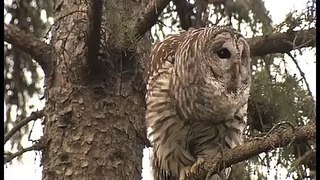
{"x": 301, "y": 73}
{"x": 252, "y": 148}
{"x": 282, "y": 42}
{"x": 184, "y": 10}
{"x": 150, "y": 16}
{"x": 306, "y": 157}
{"x": 93, "y": 40}
{"x": 9, "y": 156}
{"x": 34, "y": 116}
{"x": 37, "y": 49}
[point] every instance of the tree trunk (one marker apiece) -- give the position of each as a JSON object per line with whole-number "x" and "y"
{"x": 94, "y": 126}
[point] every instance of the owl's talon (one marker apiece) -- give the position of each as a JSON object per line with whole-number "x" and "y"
{"x": 195, "y": 167}
{"x": 184, "y": 172}
{"x": 191, "y": 170}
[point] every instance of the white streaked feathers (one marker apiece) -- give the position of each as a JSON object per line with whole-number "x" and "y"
{"x": 191, "y": 107}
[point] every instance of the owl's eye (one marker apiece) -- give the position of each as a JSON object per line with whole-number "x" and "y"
{"x": 224, "y": 53}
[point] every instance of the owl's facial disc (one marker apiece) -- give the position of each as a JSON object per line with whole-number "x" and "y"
{"x": 224, "y": 59}
{"x": 228, "y": 60}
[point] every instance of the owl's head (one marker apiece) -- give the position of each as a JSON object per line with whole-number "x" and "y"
{"x": 214, "y": 63}
{"x": 224, "y": 57}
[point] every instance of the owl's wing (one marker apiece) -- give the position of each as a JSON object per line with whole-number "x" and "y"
{"x": 161, "y": 63}
{"x": 163, "y": 53}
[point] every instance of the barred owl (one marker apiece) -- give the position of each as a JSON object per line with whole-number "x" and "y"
{"x": 197, "y": 94}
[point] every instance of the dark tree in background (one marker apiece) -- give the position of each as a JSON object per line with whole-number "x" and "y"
{"x": 87, "y": 67}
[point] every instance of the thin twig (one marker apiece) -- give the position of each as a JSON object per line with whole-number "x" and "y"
{"x": 34, "y": 116}
{"x": 305, "y": 81}
{"x": 301, "y": 73}
{"x": 29, "y": 135}
{"x": 9, "y": 156}
{"x": 302, "y": 159}
{"x": 62, "y": 17}
{"x": 276, "y": 127}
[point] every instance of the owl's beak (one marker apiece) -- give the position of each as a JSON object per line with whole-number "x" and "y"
{"x": 236, "y": 69}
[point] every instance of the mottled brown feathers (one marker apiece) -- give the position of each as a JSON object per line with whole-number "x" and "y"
{"x": 197, "y": 93}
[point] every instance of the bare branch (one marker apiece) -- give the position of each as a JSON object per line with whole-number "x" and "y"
{"x": 149, "y": 17}
{"x": 282, "y": 42}
{"x": 37, "y": 49}
{"x": 62, "y": 16}
{"x": 95, "y": 15}
{"x": 305, "y": 81}
{"x": 34, "y": 116}
{"x": 301, "y": 73}
{"x": 184, "y": 10}
{"x": 309, "y": 155}
{"x": 9, "y": 156}
{"x": 201, "y": 13}
{"x": 252, "y": 148}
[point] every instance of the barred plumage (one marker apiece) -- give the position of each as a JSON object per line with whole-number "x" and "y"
{"x": 197, "y": 93}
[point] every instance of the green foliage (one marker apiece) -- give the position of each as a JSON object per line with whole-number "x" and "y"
{"x": 282, "y": 95}
{"x": 21, "y": 79}
{"x": 278, "y": 96}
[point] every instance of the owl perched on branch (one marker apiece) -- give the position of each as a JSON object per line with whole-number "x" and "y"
{"x": 197, "y": 94}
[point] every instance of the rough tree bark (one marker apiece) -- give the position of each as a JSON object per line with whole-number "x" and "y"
{"x": 94, "y": 124}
